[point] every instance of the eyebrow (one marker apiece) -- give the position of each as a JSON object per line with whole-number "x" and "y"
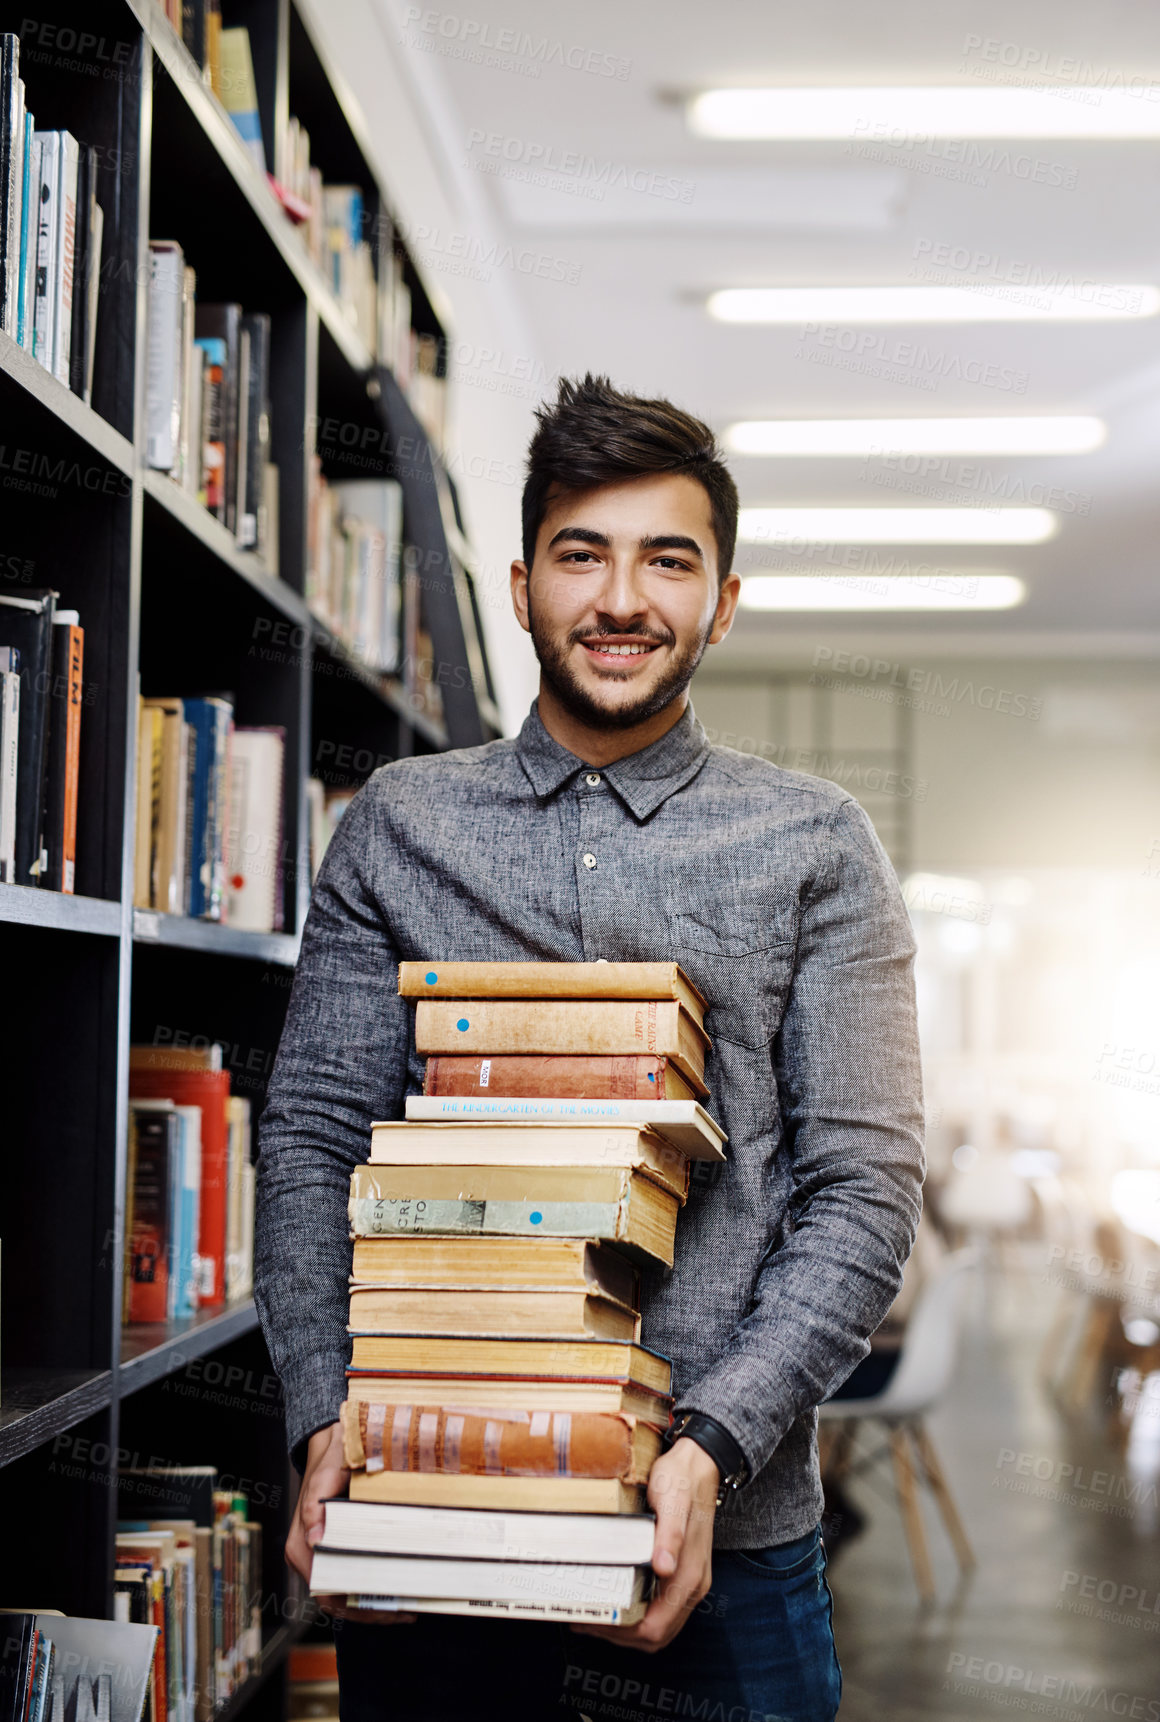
{"x": 652, "y": 541}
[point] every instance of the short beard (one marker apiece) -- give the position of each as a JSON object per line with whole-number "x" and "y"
{"x": 558, "y": 674}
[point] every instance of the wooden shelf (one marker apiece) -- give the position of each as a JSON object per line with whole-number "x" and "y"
{"x": 68, "y": 409}
{"x": 152, "y": 1350}
{"x": 37, "y": 1405}
{"x": 183, "y": 933}
{"x": 29, "y": 906}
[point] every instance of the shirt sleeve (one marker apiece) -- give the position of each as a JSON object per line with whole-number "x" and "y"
{"x": 850, "y": 1092}
{"x": 342, "y": 1064}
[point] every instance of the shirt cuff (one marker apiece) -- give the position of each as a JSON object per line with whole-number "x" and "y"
{"x": 756, "y": 1419}
{"x": 314, "y": 1393}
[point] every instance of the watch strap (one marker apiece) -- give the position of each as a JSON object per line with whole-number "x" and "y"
{"x": 717, "y": 1442}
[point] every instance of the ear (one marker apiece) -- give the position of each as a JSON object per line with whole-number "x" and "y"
{"x": 726, "y": 607}
{"x": 520, "y": 595}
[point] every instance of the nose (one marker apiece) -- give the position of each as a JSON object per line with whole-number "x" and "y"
{"x": 621, "y": 600}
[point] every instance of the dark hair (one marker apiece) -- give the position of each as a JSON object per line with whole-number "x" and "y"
{"x": 593, "y": 434}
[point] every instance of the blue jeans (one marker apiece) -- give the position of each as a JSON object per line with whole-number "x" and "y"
{"x": 759, "y": 1648}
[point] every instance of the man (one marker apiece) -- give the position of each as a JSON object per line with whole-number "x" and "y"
{"x": 609, "y": 828}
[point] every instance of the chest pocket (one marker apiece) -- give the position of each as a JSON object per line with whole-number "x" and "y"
{"x": 744, "y": 970}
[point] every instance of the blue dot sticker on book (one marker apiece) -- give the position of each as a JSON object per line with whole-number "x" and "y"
{"x": 462, "y": 1024}
{"x": 651, "y": 1077}
{"x": 431, "y": 977}
{"x": 535, "y": 1216}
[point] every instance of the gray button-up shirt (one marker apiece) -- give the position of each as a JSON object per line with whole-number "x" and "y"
{"x": 772, "y": 891}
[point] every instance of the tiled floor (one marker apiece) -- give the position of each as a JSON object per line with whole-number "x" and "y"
{"x": 1004, "y": 1641}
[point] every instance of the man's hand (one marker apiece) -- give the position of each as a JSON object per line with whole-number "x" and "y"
{"x": 682, "y": 1492}
{"x": 326, "y": 1474}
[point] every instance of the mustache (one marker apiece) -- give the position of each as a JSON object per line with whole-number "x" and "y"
{"x": 580, "y": 636}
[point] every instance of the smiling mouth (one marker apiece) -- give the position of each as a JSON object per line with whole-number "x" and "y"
{"x": 621, "y": 653}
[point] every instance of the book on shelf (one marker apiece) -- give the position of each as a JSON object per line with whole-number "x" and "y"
{"x": 9, "y": 759}
{"x": 326, "y": 806}
{"x": 612, "y": 1204}
{"x": 253, "y": 842}
{"x": 26, "y": 627}
{"x": 238, "y": 92}
{"x": 62, "y": 765}
{"x": 156, "y": 1075}
{"x": 576, "y": 1077}
{"x": 200, "y": 1552}
{"x": 354, "y": 554}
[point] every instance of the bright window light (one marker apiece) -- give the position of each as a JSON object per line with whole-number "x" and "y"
{"x": 911, "y": 113}
{"x": 892, "y": 437}
{"x": 997, "y": 302}
{"x": 896, "y": 525}
{"x": 948, "y": 591}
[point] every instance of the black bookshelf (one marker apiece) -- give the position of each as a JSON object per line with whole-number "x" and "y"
{"x": 170, "y": 604}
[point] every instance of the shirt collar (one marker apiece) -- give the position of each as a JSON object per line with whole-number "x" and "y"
{"x": 642, "y": 780}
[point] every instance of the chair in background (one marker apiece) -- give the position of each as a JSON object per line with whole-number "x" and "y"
{"x": 923, "y": 1373}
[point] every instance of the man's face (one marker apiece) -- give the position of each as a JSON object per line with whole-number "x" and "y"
{"x": 623, "y": 598}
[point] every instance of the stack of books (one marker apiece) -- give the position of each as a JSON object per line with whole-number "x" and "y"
{"x": 503, "y": 1416}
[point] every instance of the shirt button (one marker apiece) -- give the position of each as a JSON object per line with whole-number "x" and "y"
{"x": 592, "y": 779}
{"x": 590, "y": 862}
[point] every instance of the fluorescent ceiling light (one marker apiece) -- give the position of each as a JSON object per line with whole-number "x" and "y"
{"x": 988, "y": 302}
{"x": 909, "y": 113}
{"x": 916, "y": 436}
{"x": 896, "y": 525}
{"x": 959, "y": 591}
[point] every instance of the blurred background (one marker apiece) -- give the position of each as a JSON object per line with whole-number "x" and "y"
{"x": 928, "y": 232}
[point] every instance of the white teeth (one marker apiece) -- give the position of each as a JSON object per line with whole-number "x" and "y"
{"x": 622, "y": 651}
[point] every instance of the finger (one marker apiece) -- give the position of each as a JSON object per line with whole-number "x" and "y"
{"x": 672, "y": 1511}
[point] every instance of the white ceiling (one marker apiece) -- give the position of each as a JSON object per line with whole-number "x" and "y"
{"x": 773, "y": 214}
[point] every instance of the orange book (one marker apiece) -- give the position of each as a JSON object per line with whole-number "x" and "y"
{"x": 64, "y": 753}
{"x": 468, "y": 1442}
{"x": 210, "y": 1090}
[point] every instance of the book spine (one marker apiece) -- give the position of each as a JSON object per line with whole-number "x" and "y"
{"x": 46, "y": 235}
{"x": 11, "y": 178}
{"x": 63, "y": 286}
{"x": 378, "y": 1437}
{"x": 567, "y": 1078}
{"x": 149, "y": 1220}
{"x": 62, "y": 778}
{"x": 163, "y": 364}
{"x": 386, "y": 1217}
{"x": 27, "y": 236}
{"x": 9, "y": 754}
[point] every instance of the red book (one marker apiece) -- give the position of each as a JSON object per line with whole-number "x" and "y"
{"x": 149, "y": 1079}
{"x": 567, "y": 1076}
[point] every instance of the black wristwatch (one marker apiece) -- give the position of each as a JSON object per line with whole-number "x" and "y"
{"x": 720, "y": 1446}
